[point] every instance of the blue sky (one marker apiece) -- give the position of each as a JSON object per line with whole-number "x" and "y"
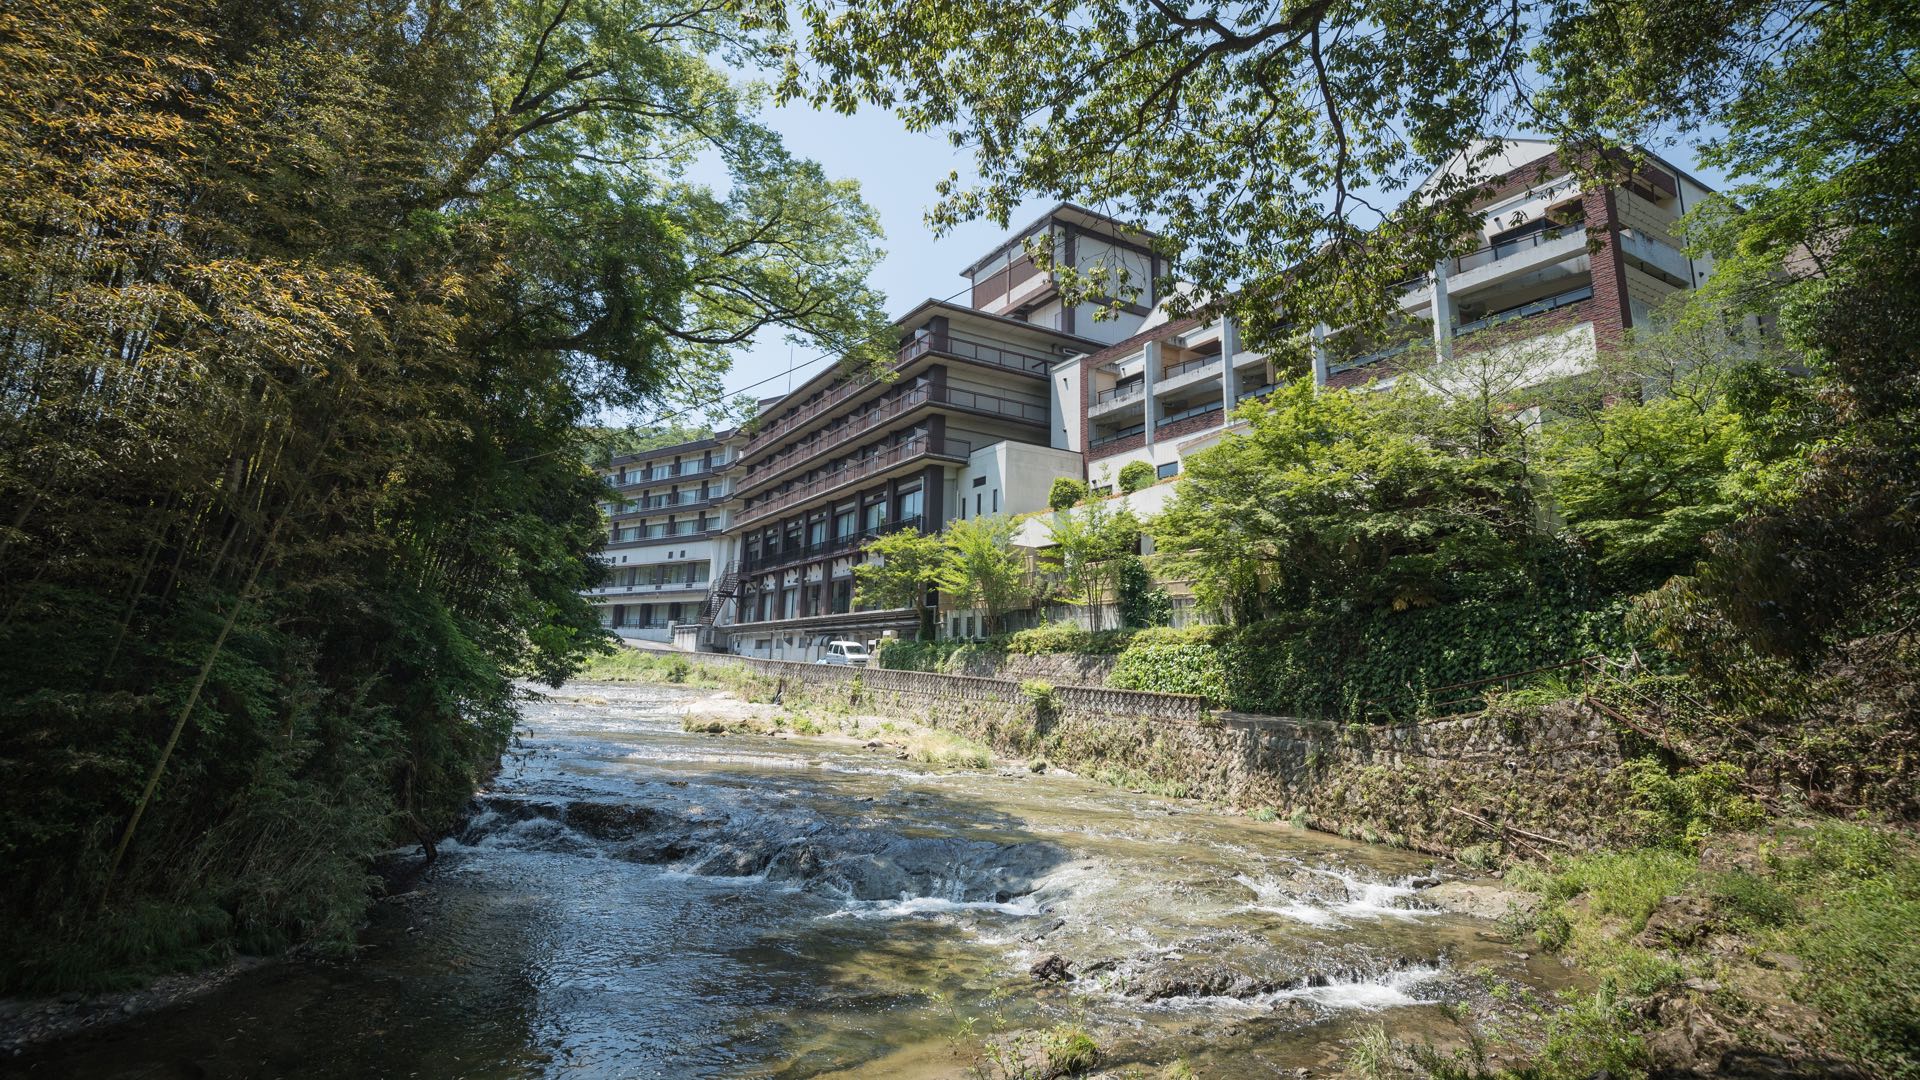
{"x": 897, "y": 170}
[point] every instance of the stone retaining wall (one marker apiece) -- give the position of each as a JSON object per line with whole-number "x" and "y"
{"x": 1439, "y": 786}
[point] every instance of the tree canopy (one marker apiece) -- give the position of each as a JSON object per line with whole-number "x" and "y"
{"x": 1278, "y": 147}
{"x": 299, "y": 310}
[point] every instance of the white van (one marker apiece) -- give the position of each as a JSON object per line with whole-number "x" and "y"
{"x": 846, "y": 653}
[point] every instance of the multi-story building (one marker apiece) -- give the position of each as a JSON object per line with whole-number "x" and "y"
{"x": 986, "y": 403}
{"x": 665, "y": 538}
{"x": 967, "y": 421}
{"x": 1561, "y": 272}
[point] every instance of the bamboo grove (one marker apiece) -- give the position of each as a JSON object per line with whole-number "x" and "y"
{"x": 300, "y": 306}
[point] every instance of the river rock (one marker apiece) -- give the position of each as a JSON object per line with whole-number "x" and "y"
{"x": 1051, "y": 968}
{"x": 1484, "y": 899}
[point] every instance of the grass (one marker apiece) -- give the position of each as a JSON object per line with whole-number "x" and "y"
{"x": 946, "y": 748}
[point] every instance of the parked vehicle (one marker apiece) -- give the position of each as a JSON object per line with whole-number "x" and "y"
{"x": 845, "y": 653}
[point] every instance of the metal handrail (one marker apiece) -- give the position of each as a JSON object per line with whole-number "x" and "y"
{"x": 1188, "y": 413}
{"x": 1120, "y": 393}
{"x": 1535, "y": 307}
{"x": 1126, "y": 432}
{"x": 964, "y": 348}
{"x": 916, "y": 447}
{"x": 832, "y": 546}
{"x": 1190, "y": 365}
{"x": 892, "y": 409}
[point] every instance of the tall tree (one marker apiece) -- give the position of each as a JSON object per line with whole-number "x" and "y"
{"x": 1276, "y": 146}
{"x": 983, "y": 569}
{"x": 299, "y": 311}
{"x": 1089, "y": 545}
{"x": 902, "y": 567}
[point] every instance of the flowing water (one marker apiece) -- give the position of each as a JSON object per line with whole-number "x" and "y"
{"x": 630, "y": 900}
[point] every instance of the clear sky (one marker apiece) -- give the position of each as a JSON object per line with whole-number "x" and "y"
{"x": 897, "y": 171}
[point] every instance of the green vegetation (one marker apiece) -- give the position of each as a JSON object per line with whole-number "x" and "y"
{"x": 905, "y": 566}
{"x": 982, "y": 569}
{"x": 1087, "y": 549}
{"x": 1066, "y": 493}
{"x": 300, "y": 307}
{"x": 1135, "y": 475}
{"x": 1831, "y": 897}
{"x": 1071, "y": 1051}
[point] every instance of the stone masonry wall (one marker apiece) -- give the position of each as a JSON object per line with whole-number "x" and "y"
{"x": 1535, "y": 781}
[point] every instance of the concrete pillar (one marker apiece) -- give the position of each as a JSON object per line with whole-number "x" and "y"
{"x": 1321, "y": 360}
{"x": 1229, "y": 375}
{"x": 1149, "y": 372}
{"x": 1442, "y": 313}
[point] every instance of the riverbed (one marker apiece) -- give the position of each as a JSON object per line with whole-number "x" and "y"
{"x": 632, "y": 900}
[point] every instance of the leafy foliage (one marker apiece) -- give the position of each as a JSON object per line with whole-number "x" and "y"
{"x": 904, "y": 566}
{"x": 301, "y": 309}
{"x": 1066, "y": 492}
{"x": 1135, "y": 475}
{"x": 982, "y": 568}
{"x": 1089, "y": 547}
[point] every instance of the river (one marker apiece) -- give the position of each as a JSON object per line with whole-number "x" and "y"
{"x": 630, "y": 900}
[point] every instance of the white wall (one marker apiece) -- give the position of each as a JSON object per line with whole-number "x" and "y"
{"x": 1063, "y": 400}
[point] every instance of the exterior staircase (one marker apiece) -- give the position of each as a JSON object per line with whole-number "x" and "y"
{"x": 724, "y": 588}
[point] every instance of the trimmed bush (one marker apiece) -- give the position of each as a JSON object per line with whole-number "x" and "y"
{"x": 1136, "y": 475}
{"x": 1172, "y": 662}
{"x": 1066, "y": 493}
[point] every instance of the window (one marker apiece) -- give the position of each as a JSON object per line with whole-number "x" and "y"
{"x": 976, "y": 504}
{"x": 911, "y": 504}
{"x": 996, "y": 500}
{"x": 876, "y": 514}
{"x": 979, "y": 481}
{"x": 1170, "y": 469}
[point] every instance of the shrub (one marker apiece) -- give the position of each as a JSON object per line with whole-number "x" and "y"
{"x": 1141, "y": 602}
{"x": 1065, "y": 638}
{"x": 1136, "y": 475}
{"x": 1171, "y": 666}
{"x": 1679, "y": 811}
{"x": 1041, "y": 696}
{"x": 1066, "y": 492}
{"x": 1071, "y": 1051}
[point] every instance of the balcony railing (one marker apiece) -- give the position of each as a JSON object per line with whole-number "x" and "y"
{"x": 666, "y": 472}
{"x": 760, "y": 562}
{"x": 1258, "y": 391}
{"x": 661, "y": 502}
{"x": 964, "y": 348}
{"x": 1493, "y": 253}
{"x": 1124, "y": 433}
{"x": 1191, "y": 365}
{"x": 1189, "y": 412}
{"x": 978, "y": 351}
{"x": 923, "y": 446}
{"x": 887, "y": 411}
{"x": 1120, "y": 393}
{"x": 649, "y": 588}
{"x": 1506, "y": 249}
{"x": 656, "y": 532}
{"x": 1536, "y": 307}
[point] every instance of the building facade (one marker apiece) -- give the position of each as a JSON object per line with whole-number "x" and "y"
{"x": 1560, "y": 274}
{"x": 748, "y": 542}
{"x": 666, "y": 539}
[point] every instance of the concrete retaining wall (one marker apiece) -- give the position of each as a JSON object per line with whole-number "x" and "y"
{"x": 1439, "y": 786}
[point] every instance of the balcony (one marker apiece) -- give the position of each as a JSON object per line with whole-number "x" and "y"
{"x": 648, "y": 589}
{"x": 1181, "y": 376}
{"x": 671, "y": 501}
{"x": 922, "y": 447}
{"x": 666, "y": 472}
{"x": 681, "y": 530}
{"x": 945, "y": 344}
{"x": 980, "y": 352}
{"x": 1516, "y": 256}
{"x": 760, "y": 563}
{"x": 888, "y": 411}
{"x": 1190, "y": 412}
{"x": 1124, "y": 433}
{"x": 1110, "y": 401}
{"x": 1521, "y": 311}
{"x": 1656, "y": 257}
{"x": 1258, "y": 391}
